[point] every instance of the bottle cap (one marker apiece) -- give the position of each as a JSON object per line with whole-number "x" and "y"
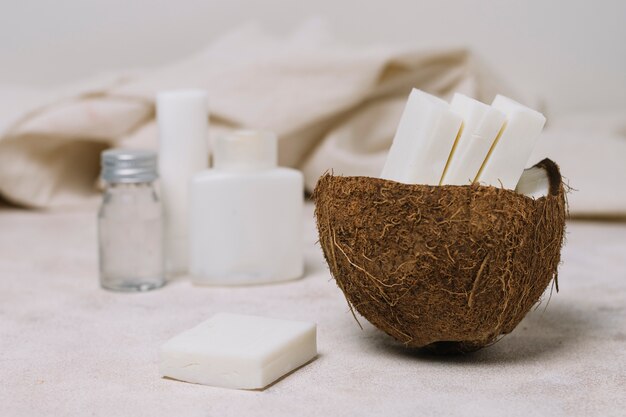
{"x": 128, "y": 165}
{"x": 183, "y": 121}
{"x": 246, "y": 150}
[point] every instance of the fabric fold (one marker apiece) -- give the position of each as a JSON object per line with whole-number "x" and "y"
{"x": 333, "y": 106}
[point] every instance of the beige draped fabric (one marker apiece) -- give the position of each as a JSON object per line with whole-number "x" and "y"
{"x": 333, "y": 106}
{"x": 304, "y": 87}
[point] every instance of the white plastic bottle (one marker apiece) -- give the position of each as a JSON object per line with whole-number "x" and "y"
{"x": 182, "y": 117}
{"x": 246, "y": 215}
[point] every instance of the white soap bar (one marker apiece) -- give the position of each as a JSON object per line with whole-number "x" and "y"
{"x": 481, "y": 125}
{"x": 423, "y": 140}
{"x": 509, "y": 155}
{"x": 238, "y": 351}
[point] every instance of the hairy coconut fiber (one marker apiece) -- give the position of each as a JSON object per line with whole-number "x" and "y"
{"x": 450, "y": 268}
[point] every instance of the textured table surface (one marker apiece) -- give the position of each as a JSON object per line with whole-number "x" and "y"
{"x": 69, "y": 348}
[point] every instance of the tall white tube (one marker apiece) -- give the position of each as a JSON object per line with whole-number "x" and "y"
{"x": 183, "y": 120}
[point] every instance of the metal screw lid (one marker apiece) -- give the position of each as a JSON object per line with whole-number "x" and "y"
{"x": 128, "y": 165}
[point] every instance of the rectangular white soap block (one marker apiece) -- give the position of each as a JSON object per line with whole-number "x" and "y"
{"x": 509, "y": 155}
{"x": 481, "y": 125}
{"x": 423, "y": 140}
{"x": 238, "y": 351}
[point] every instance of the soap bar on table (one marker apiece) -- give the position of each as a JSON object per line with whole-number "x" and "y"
{"x": 509, "y": 155}
{"x": 481, "y": 125}
{"x": 423, "y": 140}
{"x": 238, "y": 351}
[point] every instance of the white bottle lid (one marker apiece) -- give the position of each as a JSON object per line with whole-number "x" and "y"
{"x": 183, "y": 129}
{"x": 246, "y": 150}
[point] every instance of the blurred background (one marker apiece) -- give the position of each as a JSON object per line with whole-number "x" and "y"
{"x": 571, "y": 53}
{"x": 80, "y": 76}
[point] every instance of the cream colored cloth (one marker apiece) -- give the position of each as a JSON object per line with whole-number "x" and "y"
{"x": 591, "y": 152}
{"x": 333, "y": 106}
{"x": 305, "y": 87}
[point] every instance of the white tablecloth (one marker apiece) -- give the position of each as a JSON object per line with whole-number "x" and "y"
{"x": 69, "y": 348}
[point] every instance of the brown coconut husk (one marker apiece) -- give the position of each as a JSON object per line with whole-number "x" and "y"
{"x": 449, "y": 268}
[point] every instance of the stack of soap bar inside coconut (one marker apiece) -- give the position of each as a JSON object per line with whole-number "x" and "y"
{"x": 463, "y": 142}
{"x": 238, "y": 351}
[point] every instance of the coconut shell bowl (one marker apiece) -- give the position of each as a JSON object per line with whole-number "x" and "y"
{"x": 445, "y": 268}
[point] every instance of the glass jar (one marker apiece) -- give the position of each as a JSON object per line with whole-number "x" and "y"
{"x": 130, "y": 222}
